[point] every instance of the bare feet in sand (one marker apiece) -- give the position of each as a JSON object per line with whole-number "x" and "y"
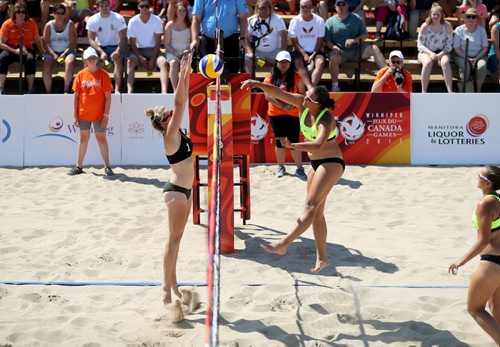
{"x": 320, "y": 265}
{"x": 281, "y": 250}
{"x": 167, "y": 295}
{"x": 175, "y": 313}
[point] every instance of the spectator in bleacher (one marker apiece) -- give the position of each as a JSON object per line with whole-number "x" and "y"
{"x": 144, "y": 34}
{"x": 384, "y": 9}
{"x": 59, "y": 36}
{"x": 115, "y": 5}
{"x": 419, "y": 10}
{"x": 4, "y": 11}
{"x": 493, "y": 7}
{"x": 176, "y": 39}
{"x": 267, "y": 31}
{"x": 481, "y": 9}
{"x": 171, "y": 7}
{"x": 307, "y": 32}
{"x": 344, "y": 34}
{"x": 475, "y": 60}
{"x": 107, "y": 33}
{"x": 356, "y": 6}
{"x": 393, "y": 78}
{"x": 494, "y": 53}
{"x": 92, "y": 102}
{"x": 80, "y": 12}
{"x": 233, "y": 12}
{"x": 18, "y": 26}
{"x": 435, "y": 43}
{"x": 284, "y": 118}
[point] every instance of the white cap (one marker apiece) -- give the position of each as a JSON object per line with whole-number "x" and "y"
{"x": 396, "y": 54}
{"x": 283, "y": 55}
{"x": 89, "y": 52}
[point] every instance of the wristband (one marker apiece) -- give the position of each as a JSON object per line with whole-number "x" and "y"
{"x": 105, "y": 115}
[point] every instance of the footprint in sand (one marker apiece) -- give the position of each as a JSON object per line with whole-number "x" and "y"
{"x": 33, "y": 297}
{"x": 283, "y": 305}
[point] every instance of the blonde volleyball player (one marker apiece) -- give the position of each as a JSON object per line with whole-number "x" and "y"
{"x": 177, "y": 191}
{"x": 327, "y": 166}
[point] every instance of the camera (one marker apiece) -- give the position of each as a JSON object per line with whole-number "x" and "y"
{"x": 398, "y": 76}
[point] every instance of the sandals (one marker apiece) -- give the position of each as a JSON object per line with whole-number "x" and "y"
{"x": 75, "y": 171}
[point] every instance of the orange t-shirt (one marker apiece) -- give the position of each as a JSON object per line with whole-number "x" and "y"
{"x": 390, "y": 83}
{"x": 92, "y": 87}
{"x": 29, "y": 30}
{"x": 273, "y": 110}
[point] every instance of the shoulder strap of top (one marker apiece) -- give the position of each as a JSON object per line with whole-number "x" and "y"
{"x": 320, "y": 115}
{"x": 304, "y": 114}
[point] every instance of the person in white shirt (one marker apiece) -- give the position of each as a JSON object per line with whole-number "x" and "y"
{"x": 268, "y": 32}
{"x": 144, "y": 34}
{"x": 107, "y": 33}
{"x": 307, "y": 31}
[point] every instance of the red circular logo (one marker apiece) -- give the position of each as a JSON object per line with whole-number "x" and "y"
{"x": 477, "y": 125}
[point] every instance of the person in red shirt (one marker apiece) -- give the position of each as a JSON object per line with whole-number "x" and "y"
{"x": 92, "y": 87}
{"x": 393, "y": 78}
{"x": 11, "y": 48}
{"x": 284, "y": 118}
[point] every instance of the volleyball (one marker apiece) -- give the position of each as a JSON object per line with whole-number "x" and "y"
{"x": 211, "y": 66}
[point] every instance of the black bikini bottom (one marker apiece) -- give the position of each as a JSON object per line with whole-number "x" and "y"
{"x": 170, "y": 187}
{"x": 490, "y": 257}
{"x": 316, "y": 163}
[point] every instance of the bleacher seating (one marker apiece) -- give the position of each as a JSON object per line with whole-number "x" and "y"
{"x": 145, "y": 83}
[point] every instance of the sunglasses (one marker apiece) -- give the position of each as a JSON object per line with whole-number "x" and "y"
{"x": 20, "y": 12}
{"x": 143, "y": 6}
{"x": 471, "y": 17}
{"x": 483, "y": 177}
{"x": 262, "y": 8}
{"x": 396, "y": 62}
{"x": 60, "y": 13}
{"x": 306, "y": 7}
{"x": 308, "y": 99}
{"x": 340, "y": 4}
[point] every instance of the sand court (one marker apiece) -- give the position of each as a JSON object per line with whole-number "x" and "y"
{"x": 393, "y": 231}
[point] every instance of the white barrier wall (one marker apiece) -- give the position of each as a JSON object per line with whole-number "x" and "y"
{"x": 11, "y": 130}
{"x": 141, "y": 144}
{"x": 446, "y": 129}
{"x": 455, "y": 129}
{"x": 51, "y": 138}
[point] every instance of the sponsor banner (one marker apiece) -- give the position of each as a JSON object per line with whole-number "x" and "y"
{"x": 240, "y": 104}
{"x": 11, "y": 130}
{"x": 51, "y": 138}
{"x": 455, "y": 129}
{"x": 141, "y": 144}
{"x": 372, "y": 128}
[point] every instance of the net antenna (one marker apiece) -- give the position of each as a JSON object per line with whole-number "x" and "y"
{"x": 214, "y": 230}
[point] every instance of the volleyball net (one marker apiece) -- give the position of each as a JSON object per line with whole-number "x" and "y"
{"x": 214, "y": 220}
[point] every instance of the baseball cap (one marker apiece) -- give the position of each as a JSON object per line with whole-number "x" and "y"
{"x": 396, "y": 54}
{"x": 341, "y": 1}
{"x": 283, "y": 55}
{"x": 89, "y": 52}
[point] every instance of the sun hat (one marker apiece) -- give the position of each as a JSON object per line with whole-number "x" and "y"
{"x": 470, "y": 12}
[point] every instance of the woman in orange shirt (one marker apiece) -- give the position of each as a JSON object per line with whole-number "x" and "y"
{"x": 92, "y": 87}
{"x": 17, "y": 27}
{"x": 284, "y": 118}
